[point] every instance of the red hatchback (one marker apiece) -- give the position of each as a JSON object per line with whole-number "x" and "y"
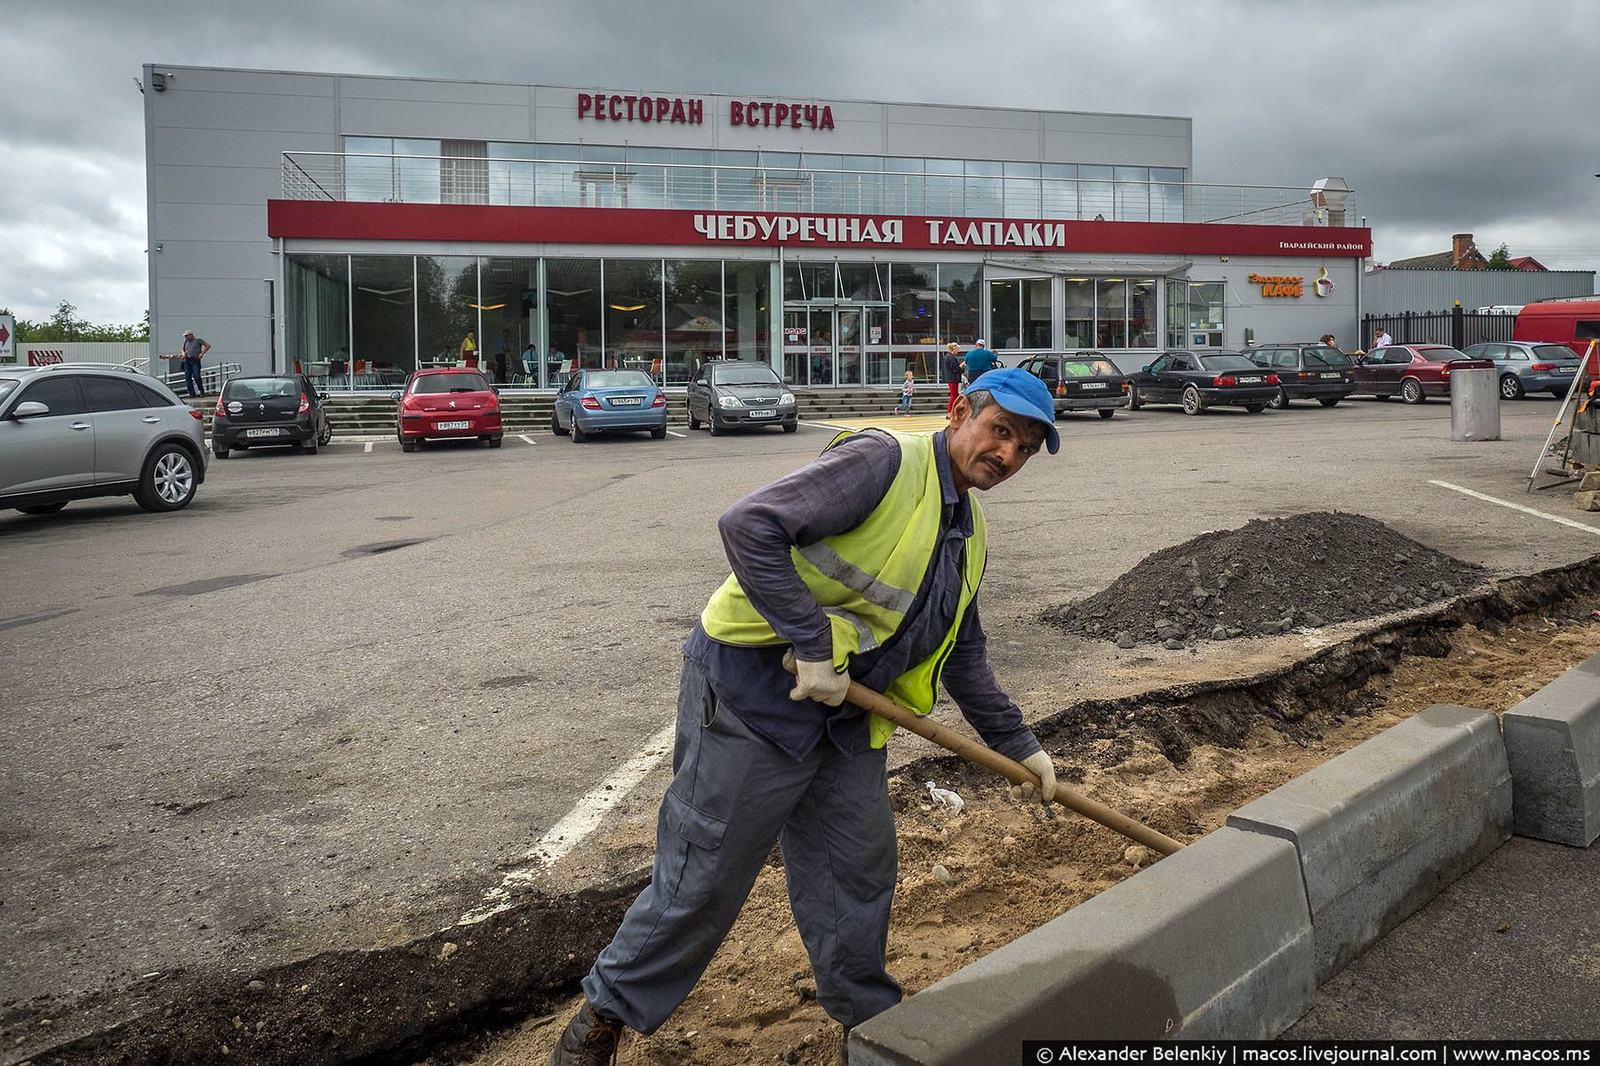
{"x": 1412, "y": 372}
{"x": 447, "y": 404}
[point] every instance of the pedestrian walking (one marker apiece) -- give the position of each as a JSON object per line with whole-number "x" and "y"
{"x": 194, "y": 351}
{"x": 953, "y": 369}
{"x": 908, "y": 390}
{"x": 980, "y": 360}
{"x": 865, "y": 564}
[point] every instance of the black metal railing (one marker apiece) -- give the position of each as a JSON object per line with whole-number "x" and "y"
{"x": 1454, "y": 327}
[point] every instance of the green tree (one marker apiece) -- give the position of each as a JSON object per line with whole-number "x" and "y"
{"x": 1500, "y": 259}
{"x": 65, "y": 325}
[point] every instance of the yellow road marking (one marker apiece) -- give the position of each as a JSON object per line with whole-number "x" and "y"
{"x": 903, "y": 423}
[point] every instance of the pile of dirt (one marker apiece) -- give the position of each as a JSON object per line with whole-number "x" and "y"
{"x": 1271, "y": 576}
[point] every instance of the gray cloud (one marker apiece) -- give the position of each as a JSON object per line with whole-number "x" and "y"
{"x": 1445, "y": 116}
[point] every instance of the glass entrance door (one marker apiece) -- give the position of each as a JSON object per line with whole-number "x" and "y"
{"x": 826, "y": 346}
{"x": 849, "y": 337}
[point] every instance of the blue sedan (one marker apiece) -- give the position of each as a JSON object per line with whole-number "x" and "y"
{"x": 609, "y": 401}
{"x": 1529, "y": 366}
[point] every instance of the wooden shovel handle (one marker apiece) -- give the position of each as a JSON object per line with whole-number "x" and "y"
{"x": 1010, "y": 769}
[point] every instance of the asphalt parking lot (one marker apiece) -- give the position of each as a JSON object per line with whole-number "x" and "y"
{"x": 337, "y": 699}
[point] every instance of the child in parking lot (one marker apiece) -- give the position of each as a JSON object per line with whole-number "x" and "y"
{"x": 908, "y": 389}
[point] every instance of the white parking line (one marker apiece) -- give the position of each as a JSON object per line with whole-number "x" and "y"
{"x": 570, "y": 831}
{"x": 524, "y": 436}
{"x": 818, "y": 425}
{"x": 675, "y": 433}
{"x": 1517, "y": 507}
{"x": 368, "y": 448}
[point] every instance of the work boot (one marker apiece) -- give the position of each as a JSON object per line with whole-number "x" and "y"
{"x": 590, "y": 1039}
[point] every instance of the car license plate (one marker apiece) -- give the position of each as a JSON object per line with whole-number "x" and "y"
{"x": 763, "y": 414}
{"x": 1333, "y": 377}
{"x": 451, "y": 425}
{"x": 624, "y": 401}
{"x": 261, "y": 432}
{"x": 1249, "y": 381}
{"x": 1092, "y": 385}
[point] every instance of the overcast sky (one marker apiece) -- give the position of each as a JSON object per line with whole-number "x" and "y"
{"x": 1445, "y": 115}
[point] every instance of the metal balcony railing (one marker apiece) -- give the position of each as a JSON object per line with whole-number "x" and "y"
{"x": 338, "y": 176}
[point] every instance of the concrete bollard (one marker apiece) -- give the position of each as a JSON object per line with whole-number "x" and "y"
{"x": 1475, "y": 404}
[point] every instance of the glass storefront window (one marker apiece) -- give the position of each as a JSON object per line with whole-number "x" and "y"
{"x": 572, "y": 290}
{"x": 915, "y": 296}
{"x": 511, "y": 172}
{"x": 1094, "y": 193}
{"x": 510, "y": 317}
{"x": 984, "y": 191}
{"x": 1077, "y": 306}
{"x": 1166, "y": 194}
{"x": 1142, "y": 324}
{"x": 383, "y": 315}
{"x": 747, "y": 311}
{"x": 1133, "y": 194}
{"x": 633, "y": 315}
{"x": 1206, "y": 314}
{"x": 366, "y": 177}
{"x": 1111, "y": 322}
{"x": 316, "y": 313}
{"x": 807, "y": 281}
{"x": 942, "y": 188}
{"x": 416, "y": 177}
{"x": 1177, "y": 313}
{"x": 1035, "y": 314}
{"x": 447, "y": 309}
{"x": 692, "y": 313}
{"x": 864, "y": 282}
{"x": 1059, "y": 196}
{"x": 555, "y": 176}
{"x": 1003, "y": 319}
{"x": 960, "y": 293}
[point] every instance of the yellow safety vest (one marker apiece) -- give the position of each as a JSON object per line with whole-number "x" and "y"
{"x": 866, "y": 579}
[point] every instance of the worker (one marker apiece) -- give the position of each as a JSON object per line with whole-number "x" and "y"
{"x": 866, "y": 564}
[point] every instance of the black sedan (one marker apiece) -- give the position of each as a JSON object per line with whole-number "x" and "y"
{"x": 726, "y": 393}
{"x": 1306, "y": 372}
{"x": 274, "y": 409}
{"x": 1199, "y": 380}
{"x": 1081, "y": 381}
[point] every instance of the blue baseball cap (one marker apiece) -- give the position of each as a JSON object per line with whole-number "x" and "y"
{"x": 1022, "y": 394}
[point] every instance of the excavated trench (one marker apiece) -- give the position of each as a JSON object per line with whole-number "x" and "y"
{"x": 1179, "y": 758}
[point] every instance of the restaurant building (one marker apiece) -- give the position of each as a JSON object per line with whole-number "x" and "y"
{"x": 359, "y": 227}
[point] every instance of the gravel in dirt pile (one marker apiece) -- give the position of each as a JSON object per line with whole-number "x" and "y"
{"x": 1270, "y": 576}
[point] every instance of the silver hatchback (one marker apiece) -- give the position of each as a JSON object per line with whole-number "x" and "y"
{"x": 75, "y": 432}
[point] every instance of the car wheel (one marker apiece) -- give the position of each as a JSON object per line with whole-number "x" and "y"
{"x": 791, "y": 427}
{"x": 1279, "y": 401}
{"x": 1193, "y": 402}
{"x": 326, "y": 436}
{"x": 1133, "y": 397}
{"x": 1332, "y": 401}
{"x": 495, "y": 442}
{"x": 1255, "y": 408}
{"x": 309, "y": 445}
{"x": 576, "y": 432}
{"x": 219, "y": 451}
{"x": 717, "y": 429}
{"x": 1411, "y": 391}
{"x": 555, "y": 425}
{"x": 659, "y": 433}
{"x": 408, "y": 445}
{"x": 168, "y": 482}
{"x": 1106, "y": 412}
{"x": 694, "y": 423}
{"x": 1511, "y": 387}
{"x": 43, "y": 508}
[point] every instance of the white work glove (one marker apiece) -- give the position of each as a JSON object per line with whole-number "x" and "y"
{"x": 817, "y": 681}
{"x": 1041, "y": 766}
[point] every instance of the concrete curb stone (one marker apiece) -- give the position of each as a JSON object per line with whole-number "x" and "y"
{"x": 1553, "y": 746}
{"x": 1212, "y": 942}
{"x": 1384, "y": 827}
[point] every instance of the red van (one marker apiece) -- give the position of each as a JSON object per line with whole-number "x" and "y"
{"x": 1573, "y": 321}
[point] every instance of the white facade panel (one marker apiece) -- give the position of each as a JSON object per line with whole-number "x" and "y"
{"x": 211, "y": 222}
{"x": 987, "y": 118}
{"x": 214, "y": 79}
{"x": 247, "y": 111}
{"x": 214, "y": 259}
{"x": 434, "y": 118}
{"x": 201, "y": 184}
{"x": 433, "y": 91}
{"x": 229, "y": 147}
{"x": 963, "y": 142}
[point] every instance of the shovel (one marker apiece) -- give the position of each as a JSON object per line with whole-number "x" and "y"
{"x": 1010, "y": 769}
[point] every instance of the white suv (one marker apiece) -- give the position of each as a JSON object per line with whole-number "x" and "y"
{"x": 74, "y": 432}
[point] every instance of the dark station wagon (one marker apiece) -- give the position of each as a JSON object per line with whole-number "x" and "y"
{"x": 1201, "y": 380}
{"x": 1081, "y": 381}
{"x": 1306, "y": 372}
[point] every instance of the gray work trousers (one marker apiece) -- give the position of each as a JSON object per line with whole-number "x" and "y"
{"x": 732, "y": 795}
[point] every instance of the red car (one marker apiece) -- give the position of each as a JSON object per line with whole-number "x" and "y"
{"x": 447, "y": 404}
{"x": 1412, "y": 372}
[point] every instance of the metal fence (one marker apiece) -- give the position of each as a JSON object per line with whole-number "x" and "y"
{"x": 1455, "y": 327}
{"x": 340, "y": 176}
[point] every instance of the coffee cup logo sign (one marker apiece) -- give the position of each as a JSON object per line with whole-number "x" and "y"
{"x": 1323, "y": 286}
{"x": 1280, "y": 284}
